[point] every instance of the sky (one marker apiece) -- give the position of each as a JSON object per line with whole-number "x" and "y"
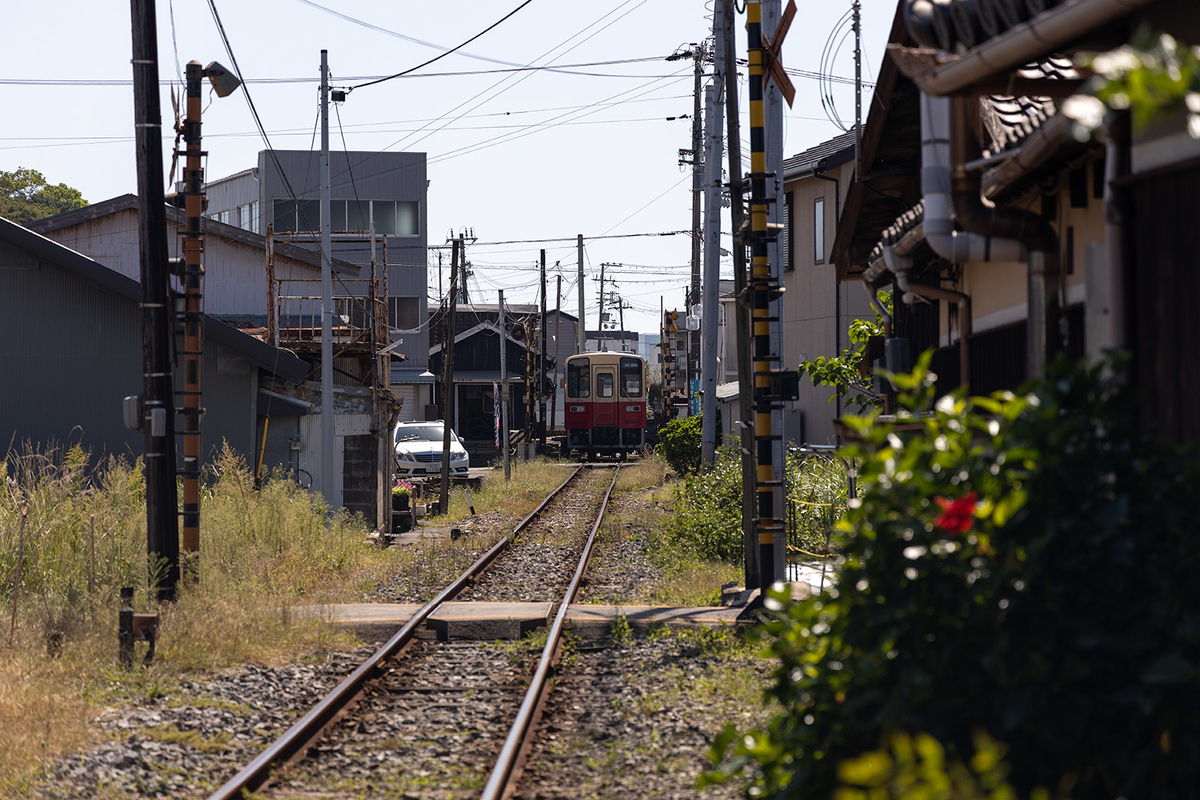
{"x": 513, "y": 156}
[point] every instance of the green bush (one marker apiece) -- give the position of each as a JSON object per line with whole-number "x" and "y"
{"x": 1024, "y": 566}
{"x": 679, "y": 442}
{"x": 708, "y": 510}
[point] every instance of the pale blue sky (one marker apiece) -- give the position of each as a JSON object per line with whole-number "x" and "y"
{"x": 526, "y": 156}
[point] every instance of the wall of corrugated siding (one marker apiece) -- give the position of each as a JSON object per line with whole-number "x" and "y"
{"x": 71, "y": 353}
{"x": 232, "y": 192}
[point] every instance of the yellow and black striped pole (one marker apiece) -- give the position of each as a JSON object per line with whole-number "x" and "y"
{"x": 769, "y": 524}
{"x": 193, "y": 271}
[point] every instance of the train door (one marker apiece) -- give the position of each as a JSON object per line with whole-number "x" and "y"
{"x": 578, "y": 416}
{"x": 632, "y": 405}
{"x": 604, "y": 405}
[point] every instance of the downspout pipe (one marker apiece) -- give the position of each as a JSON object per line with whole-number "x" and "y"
{"x": 990, "y": 233}
{"x": 1116, "y": 212}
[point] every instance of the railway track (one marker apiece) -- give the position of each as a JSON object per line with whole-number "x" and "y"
{"x": 428, "y": 717}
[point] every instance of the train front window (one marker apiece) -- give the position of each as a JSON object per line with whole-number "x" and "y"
{"x": 578, "y": 383}
{"x": 604, "y": 384}
{"x": 631, "y": 377}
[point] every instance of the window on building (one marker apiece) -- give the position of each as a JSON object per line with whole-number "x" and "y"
{"x": 604, "y": 384}
{"x": 391, "y": 217}
{"x": 631, "y": 377}
{"x": 404, "y": 313}
{"x": 819, "y": 231}
{"x": 578, "y": 380}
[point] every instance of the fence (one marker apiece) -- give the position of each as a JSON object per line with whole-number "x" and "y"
{"x": 818, "y": 482}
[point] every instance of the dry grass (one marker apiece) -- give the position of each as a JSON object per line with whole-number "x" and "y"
{"x": 262, "y": 552}
{"x": 531, "y": 481}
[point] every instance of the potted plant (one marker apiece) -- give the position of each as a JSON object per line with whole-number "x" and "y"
{"x": 401, "y": 495}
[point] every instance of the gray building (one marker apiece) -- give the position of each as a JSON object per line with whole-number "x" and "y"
{"x": 72, "y": 351}
{"x": 386, "y": 190}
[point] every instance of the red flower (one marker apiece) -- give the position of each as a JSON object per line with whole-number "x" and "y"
{"x": 957, "y": 515}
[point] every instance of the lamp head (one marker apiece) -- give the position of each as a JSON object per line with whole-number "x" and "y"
{"x": 223, "y": 81}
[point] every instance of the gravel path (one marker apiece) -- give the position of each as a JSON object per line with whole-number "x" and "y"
{"x": 192, "y": 737}
{"x": 635, "y": 718}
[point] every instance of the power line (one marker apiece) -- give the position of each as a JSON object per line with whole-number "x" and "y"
{"x": 437, "y": 57}
{"x": 563, "y": 69}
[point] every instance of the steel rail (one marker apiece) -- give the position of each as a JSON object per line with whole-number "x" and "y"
{"x": 308, "y": 728}
{"x": 500, "y": 784}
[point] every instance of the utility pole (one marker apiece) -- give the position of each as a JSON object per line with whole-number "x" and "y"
{"x": 742, "y": 314}
{"x": 693, "y": 350}
{"x": 157, "y": 410}
{"x": 327, "y": 439}
{"x": 504, "y": 388}
{"x": 582, "y": 333}
{"x": 448, "y": 376}
{"x": 441, "y": 292}
{"x": 193, "y": 320}
{"x": 856, "y": 8}
{"x": 712, "y": 252}
{"x": 600, "y": 330}
{"x": 557, "y": 327}
{"x": 541, "y": 376}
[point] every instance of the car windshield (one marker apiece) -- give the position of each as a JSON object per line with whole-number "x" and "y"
{"x": 422, "y": 433}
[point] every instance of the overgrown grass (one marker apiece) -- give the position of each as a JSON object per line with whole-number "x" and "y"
{"x": 70, "y": 537}
{"x": 531, "y": 481}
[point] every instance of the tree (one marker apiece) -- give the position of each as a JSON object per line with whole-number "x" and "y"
{"x": 25, "y": 196}
{"x": 844, "y": 372}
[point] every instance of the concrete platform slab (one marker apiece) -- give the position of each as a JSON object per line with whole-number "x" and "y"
{"x": 377, "y": 622}
{"x": 596, "y": 620}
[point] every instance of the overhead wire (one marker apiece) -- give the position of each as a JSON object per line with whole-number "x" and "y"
{"x": 439, "y": 57}
{"x": 379, "y": 29}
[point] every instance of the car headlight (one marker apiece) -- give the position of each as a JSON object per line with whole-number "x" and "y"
{"x": 405, "y": 455}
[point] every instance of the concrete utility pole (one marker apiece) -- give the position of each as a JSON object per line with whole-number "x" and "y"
{"x": 448, "y": 376}
{"x": 600, "y": 317}
{"x": 741, "y": 313}
{"x": 712, "y": 253}
{"x": 557, "y": 327}
{"x": 157, "y": 402}
{"x": 693, "y": 350}
{"x": 582, "y": 332}
{"x": 327, "y": 439}
{"x": 504, "y": 388}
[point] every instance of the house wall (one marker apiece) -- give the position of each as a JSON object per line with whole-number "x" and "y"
{"x": 235, "y": 273}
{"x": 811, "y": 325}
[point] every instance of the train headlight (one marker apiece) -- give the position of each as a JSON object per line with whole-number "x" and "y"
{"x": 576, "y": 409}
{"x": 633, "y": 408}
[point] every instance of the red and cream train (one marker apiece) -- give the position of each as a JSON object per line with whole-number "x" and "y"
{"x": 605, "y": 403}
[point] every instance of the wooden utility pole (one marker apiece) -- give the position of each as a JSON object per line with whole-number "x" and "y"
{"x": 582, "y": 332}
{"x": 448, "y": 376}
{"x": 157, "y": 403}
{"x": 541, "y": 376}
{"x": 742, "y": 313}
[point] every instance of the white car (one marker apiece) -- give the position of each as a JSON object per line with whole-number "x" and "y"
{"x": 419, "y": 450}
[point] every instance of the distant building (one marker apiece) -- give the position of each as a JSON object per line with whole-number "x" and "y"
{"x": 384, "y": 189}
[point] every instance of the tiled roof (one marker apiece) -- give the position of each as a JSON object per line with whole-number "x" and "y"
{"x": 835, "y": 151}
{"x": 895, "y": 232}
{"x": 1009, "y": 120}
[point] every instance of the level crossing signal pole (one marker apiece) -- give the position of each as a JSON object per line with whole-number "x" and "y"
{"x": 193, "y": 314}
{"x": 769, "y": 522}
